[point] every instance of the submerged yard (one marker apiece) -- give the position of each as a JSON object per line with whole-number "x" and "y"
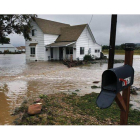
{"x": 21, "y": 80}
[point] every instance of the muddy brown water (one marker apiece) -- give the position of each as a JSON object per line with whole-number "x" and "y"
{"x": 20, "y": 80}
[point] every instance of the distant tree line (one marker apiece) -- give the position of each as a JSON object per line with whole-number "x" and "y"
{"x": 119, "y": 47}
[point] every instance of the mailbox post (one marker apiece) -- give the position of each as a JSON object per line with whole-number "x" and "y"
{"x": 129, "y": 49}
{"x": 115, "y": 80}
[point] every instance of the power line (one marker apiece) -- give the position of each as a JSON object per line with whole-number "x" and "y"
{"x": 90, "y": 19}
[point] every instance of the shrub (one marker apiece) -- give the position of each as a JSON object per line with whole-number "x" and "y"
{"x": 6, "y": 51}
{"x": 88, "y": 57}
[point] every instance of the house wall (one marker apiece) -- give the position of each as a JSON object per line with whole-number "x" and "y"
{"x": 11, "y": 49}
{"x": 38, "y": 38}
{"x": 48, "y": 39}
{"x": 74, "y": 52}
{"x": 56, "y": 53}
{"x": 87, "y": 41}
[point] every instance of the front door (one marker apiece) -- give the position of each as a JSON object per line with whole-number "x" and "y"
{"x": 60, "y": 53}
{"x": 51, "y": 52}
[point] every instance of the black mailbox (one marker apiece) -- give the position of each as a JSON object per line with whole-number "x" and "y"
{"x": 113, "y": 81}
{"x": 129, "y": 46}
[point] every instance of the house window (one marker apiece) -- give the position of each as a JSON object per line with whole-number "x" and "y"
{"x": 69, "y": 50}
{"x": 81, "y": 50}
{"x": 51, "y": 52}
{"x": 33, "y": 32}
{"x": 32, "y": 51}
{"x": 97, "y": 51}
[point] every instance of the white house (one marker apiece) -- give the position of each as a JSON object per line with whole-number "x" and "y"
{"x": 59, "y": 41}
{"x": 7, "y": 47}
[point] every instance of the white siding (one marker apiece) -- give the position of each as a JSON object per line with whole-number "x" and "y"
{"x": 85, "y": 40}
{"x": 48, "y": 39}
{"x": 38, "y": 38}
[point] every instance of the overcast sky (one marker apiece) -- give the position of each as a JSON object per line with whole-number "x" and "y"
{"x": 128, "y": 27}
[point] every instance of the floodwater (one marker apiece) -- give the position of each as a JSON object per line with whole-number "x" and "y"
{"x": 20, "y": 80}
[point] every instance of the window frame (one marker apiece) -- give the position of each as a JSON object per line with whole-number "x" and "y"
{"x": 69, "y": 50}
{"x": 32, "y": 51}
{"x": 96, "y": 51}
{"x": 82, "y": 52}
{"x": 33, "y": 32}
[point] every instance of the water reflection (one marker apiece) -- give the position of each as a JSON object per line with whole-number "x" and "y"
{"x": 5, "y": 117}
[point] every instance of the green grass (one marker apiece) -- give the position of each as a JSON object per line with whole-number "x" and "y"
{"x": 64, "y": 109}
{"x": 94, "y": 87}
{"x": 136, "y": 52}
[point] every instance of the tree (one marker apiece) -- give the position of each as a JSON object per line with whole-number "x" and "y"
{"x": 105, "y": 47}
{"x": 19, "y": 24}
{"x": 5, "y": 40}
{"x": 122, "y": 46}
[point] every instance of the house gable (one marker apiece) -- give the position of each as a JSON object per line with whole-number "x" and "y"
{"x": 86, "y": 40}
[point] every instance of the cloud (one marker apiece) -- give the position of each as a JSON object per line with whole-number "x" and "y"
{"x": 128, "y": 27}
{"x": 17, "y": 40}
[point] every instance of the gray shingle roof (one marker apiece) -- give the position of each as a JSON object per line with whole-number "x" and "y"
{"x": 71, "y": 33}
{"x": 50, "y": 27}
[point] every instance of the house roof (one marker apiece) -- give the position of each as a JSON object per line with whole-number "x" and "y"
{"x": 6, "y": 45}
{"x": 21, "y": 47}
{"x": 58, "y": 44}
{"x": 18, "y": 48}
{"x": 50, "y": 27}
{"x": 71, "y": 33}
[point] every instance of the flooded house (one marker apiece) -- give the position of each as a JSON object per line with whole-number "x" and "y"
{"x": 58, "y": 41}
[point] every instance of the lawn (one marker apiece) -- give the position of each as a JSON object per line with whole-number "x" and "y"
{"x": 65, "y": 109}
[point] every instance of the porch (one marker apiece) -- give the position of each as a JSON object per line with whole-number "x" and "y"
{"x": 61, "y": 51}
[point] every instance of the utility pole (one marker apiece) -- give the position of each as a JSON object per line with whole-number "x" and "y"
{"x": 122, "y": 101}
{"x": 112, "y": 41}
